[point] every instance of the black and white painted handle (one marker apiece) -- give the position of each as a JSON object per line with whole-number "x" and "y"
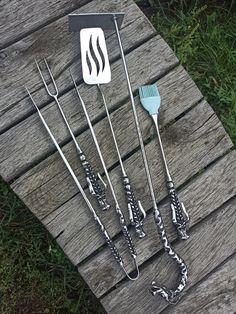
{"x": 136, "y": 211}
{"x": 93, "y": 184}
{"x": 170, "y": 295}
{"x": 180, "y": 216}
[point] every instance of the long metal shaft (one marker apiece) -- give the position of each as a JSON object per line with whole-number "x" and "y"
{"x": 63, "y": 157}
{"x": 155, "y": 119}
{"x": 135, "y": 207}
{"x": 112, "y": 131}
{"x": 96, "y": 144}
{"x": 124, "y": 227}
{"x": 135, "y": 114}
{"x": 102, "y": 228}
{"x": 67, "y": 124}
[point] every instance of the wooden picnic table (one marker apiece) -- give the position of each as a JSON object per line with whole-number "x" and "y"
{"x": 200, "y": 155}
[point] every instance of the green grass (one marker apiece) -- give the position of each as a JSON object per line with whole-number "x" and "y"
{"x": 35, "y": 275}
{"x": 203, "y": 36}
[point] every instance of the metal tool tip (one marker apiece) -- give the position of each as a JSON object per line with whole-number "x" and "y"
{"x": 26, "y": 88}
{"x": 72, "y": 76}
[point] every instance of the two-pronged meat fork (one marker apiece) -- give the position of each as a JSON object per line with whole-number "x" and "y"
{"x": 102, "y": 228}
{"x": 93, "y": 184}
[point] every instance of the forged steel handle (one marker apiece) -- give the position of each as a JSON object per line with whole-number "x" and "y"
{"x": 171, "y": 296}
{"x": 135, "y": 208}
{"x": 180, "y": 216}
{"x": 129, "y": 241}
{"x": 125, "y": 232}
{"x": 94, "y": 187}
{"x": 114, "y": 250}
{"x": 109, "y": 242}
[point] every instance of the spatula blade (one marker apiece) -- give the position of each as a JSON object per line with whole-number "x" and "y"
{"x": 95, "y": 63}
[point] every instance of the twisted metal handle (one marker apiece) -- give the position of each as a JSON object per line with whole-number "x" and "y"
{"x": 180, "y": 216}
{"x": 114, "y": 250}
{"x": 170, "y": 295}
{"x": 129, "y": 242}
{"x": 135, "y": 209}
{"x": 94, "y": 187}
{"x": 109, "y": 242}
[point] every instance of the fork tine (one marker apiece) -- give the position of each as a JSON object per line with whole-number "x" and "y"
{"x": 44, "y": 81}
{"x": 52, "y": 78}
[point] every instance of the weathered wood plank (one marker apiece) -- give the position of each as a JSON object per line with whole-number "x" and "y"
{"x": 210, "y": 243}
{"x": 30, "y": 133}
{"x": 18, "y": 18}
{"x": 48, "y": 174}
{"x": 80, "y": 237}
{"x": 61, "y": 48}
{"x": 201, "y": 197}
{"x": 215, "y": 295}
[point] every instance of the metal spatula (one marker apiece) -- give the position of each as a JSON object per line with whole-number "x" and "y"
{"x": 96, "y": 70}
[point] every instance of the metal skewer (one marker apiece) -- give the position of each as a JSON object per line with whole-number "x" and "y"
{"x": 94, "y": 187}
{"x": 96, "y": 70}
{"x": 122, "y": 221}
{"x": 134, "y": 206}
{"x": 102, "y": 228}
{"x": 169, "y": 295}
{"x": 179, "y": 214}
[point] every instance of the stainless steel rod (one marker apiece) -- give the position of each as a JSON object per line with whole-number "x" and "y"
{"x": 135, "y": 115}
{"x": 62, "y": 156}
{"x": 102, "y": 228}
{"x": 119, "y": 212}
{"x": 155, "y": 119}
{"x": 112, "y": 131}
{"x": 96, "y": 144}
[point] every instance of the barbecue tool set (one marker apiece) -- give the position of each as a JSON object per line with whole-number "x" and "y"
{"x": 96, "y": 71}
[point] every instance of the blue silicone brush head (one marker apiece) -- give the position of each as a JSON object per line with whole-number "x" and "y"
{"x": 150, "y": 98}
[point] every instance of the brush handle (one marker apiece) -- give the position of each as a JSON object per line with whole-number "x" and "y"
{"x": 171, "y": 296}
{"x": 179, "y": 214}
{"x": 94, "y": 187}
{"x": 134, "y": 208}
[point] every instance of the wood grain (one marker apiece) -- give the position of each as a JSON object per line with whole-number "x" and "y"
{"x": 30, "y": 133}
{"x": 61, "y": 48}
{"x": 18, "y": 18}
{"x": 193, "y": 143}
{"x": 215, "y": 295}
{"x": 201, "y": 197}
{"x": 210, "y": 243}
{"x": 49, "y": 182}
{"x": 80, "y": 237}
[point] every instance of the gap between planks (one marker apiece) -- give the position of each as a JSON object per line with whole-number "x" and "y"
{"x": 29, "y": 133}
{"x": 179, "y": 156}
{"x": 210, "y": 243}
{"x": 214, "y": 294}
{"x": 122, "y": 118}
{"x": 22, "y": 18}
{"x": 199, "y": 201}
{"x": 56, "y": 43}
{"x": 189, "y": 154}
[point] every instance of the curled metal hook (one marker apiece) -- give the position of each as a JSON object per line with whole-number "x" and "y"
{"x": 170, "y": 295}
{"x": 136, "y": 268}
